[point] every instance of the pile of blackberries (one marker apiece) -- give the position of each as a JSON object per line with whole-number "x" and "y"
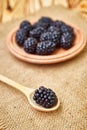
{"x": 45, "y": 97}
{"x": 44, "y": 36}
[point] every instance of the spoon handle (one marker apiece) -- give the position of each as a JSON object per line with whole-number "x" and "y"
{"x": 13, "y": 84}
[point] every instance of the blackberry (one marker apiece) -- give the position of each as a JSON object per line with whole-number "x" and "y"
{"x": 20, "y": 37}
{"x": 45, "y": 97}
{"x": 45, "y": 36}
{"x": 51, "y": 36}
{"x": 56, "y": 37}
{"x": 45, "y": 48}
{"x": 67, "y": 40}
{"x": 26, "y": 25}
{"x": 66, "y": 28}
{"x": 63, "y": 26}
{"x": 52, "y": 29}
{"x": 40, "y": 24}
{"x": 37, "y": 32}
{"x": 45, "y": 20}
{"x": 36, "y": 25}
{"x": 57, "y": 24}
{"x": 30, "y": 45}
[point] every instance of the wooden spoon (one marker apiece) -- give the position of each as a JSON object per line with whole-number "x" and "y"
{"x": 28, "y": 92}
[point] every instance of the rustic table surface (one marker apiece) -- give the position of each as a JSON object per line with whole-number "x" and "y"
{"x": 67, "y": 79}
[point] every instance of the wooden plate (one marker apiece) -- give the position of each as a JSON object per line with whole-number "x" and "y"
{"x": 59, "y": 55}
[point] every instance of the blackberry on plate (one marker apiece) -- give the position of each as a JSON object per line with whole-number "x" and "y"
{"x": 45, "y": 97}
{"x": 51, "y": 36}
{"x": 45, "y": 36}
{"x": 57, "y": 24}
{"x": 66, "y": 28}
{"x": 26, "y": 25}
{"x": 67, "y": 40}
{"x": 45, "y": 20}
{"x": 45, "y": 48}
{"x": 37, "y": 32}
{"x": 52, "y": 29}
{"x": 36, "y": 25}
{"x": 56, "y": 37}
{"x": 20, "y": 37}
{"x": 30, "y": 45}
{"x": 40, "y": 24}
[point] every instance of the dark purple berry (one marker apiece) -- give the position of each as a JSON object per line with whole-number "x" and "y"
{"x": 67, "y": 40}
{"x": 20, "y": 37}
{"x": 45, "y": 48}
{"x": 45, "y": 100}
{"x": 58, "y": 23}
{"x": 26, "y": 25}
{"x": 37, "y": 32}
{"x": 52, "y": 36}
{"x": 45, "y": 20}
{"x": 30, "y": 45}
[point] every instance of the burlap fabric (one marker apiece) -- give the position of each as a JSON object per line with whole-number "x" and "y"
{"x": 68, "y": 79}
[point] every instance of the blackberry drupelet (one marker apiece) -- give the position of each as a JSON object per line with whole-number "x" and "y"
{"x": 45, "y": 48}
{"x": 45, "y": 97}
{"x": 52, "y": 36}
{"x": 37, "y": 32}
{"x": 30, "y": 45}
{"x": 67, "y": 40}
{"x": 26, "y": 25}
{"x": 20, "y": 37}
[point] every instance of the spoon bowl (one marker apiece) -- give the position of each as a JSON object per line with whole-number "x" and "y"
{"x": 28, "y": 92}
{"x": 40, "y": 108}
